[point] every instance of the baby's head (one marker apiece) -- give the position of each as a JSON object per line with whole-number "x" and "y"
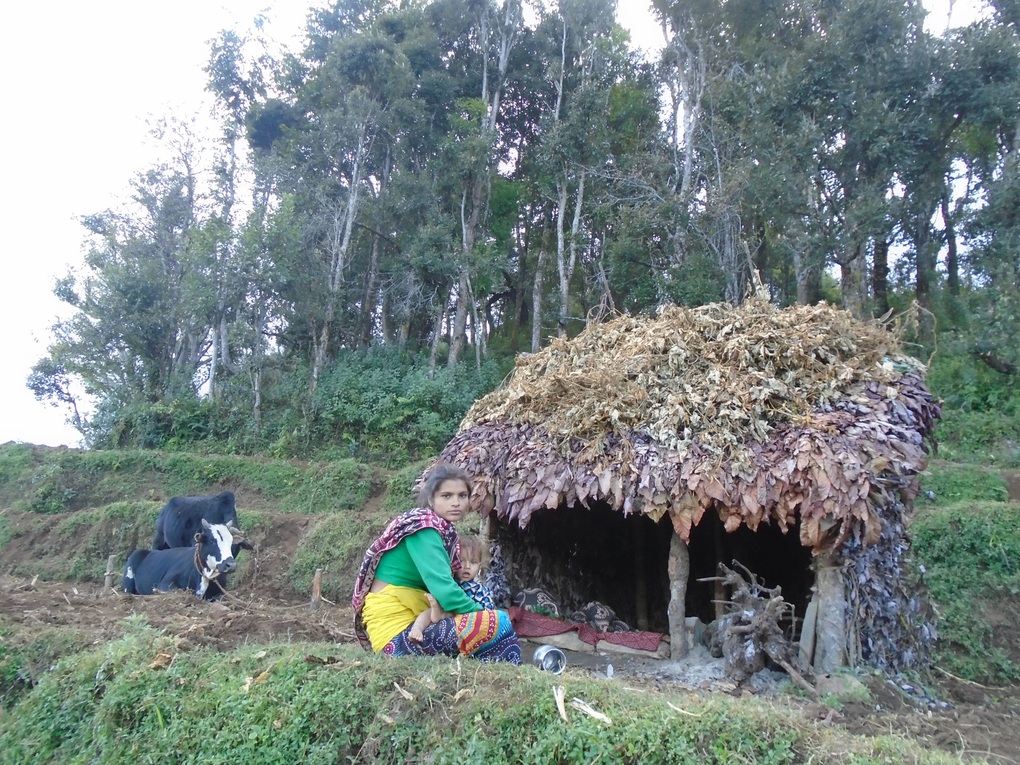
{"x": 472, "y": 558}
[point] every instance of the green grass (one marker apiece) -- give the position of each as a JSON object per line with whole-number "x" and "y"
{"x": 336, "y": 545}
{"x": 983, "y": 438}
{"x": 971, "y": 556}
{"x": 50, "y": 481}
{"x": 23, "y": 661}
{"x": 272, "y": 705}
{"x": 953, "y": 482}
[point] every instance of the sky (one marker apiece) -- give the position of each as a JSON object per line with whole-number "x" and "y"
{"x": 81, "y": 83}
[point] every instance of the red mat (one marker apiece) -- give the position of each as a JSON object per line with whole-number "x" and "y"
{"x": 529, "y": 624}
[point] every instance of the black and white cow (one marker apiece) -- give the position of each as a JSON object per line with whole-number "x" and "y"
{"x": 181, "y": 518}
{"x": 187, "y": 568}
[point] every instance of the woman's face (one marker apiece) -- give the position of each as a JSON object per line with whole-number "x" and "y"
{"x": 451, "y": 500}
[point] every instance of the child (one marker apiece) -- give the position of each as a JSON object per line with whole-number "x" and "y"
{"x": 472, "y": 559}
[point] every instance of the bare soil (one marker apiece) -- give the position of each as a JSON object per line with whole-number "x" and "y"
{"x": 976, "y": 722}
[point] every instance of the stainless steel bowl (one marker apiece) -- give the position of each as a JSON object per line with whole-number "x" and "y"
{"x": 550, "y": 659}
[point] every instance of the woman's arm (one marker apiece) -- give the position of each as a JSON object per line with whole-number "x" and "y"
{"x": 433, "y": 564}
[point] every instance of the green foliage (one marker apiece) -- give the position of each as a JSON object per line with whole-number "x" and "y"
{"x": 15, "y": 462}
{"x": 980, "y": 407}
{"x": 384, "y": 406}
{"x": 59, "y": 481}
{"x": 24, "y": 661}
{"x": 400, "y": 494}
{"x": 336, "y": 544}
{"x": 986, "y": 438}
{"x": 326, "y": 487}
{"x": 971, "y": 556}
{"x": 966, "y": 384}
{"x": 953, "y": 483}
{"x": 271, "y": 705}
{"x": 378, "y": 405}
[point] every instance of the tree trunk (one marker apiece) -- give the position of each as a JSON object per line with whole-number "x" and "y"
{"x": 459, "y": 328}
{"x": 830, "y": 625}
{"x": 924, "y": 271}
{"x": 952, "y": 259}
{"x": 536, "y": 292}
{"x": 880, "y": 277}
{"x": 437, "y": 337}
{"x": 853, "y": 289}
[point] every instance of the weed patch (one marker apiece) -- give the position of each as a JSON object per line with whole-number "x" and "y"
{"x": 139, "y": 700}
{"x": 971, "y": 557}
{"x": 953, "y": 482}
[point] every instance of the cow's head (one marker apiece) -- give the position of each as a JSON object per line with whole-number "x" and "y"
{"x": 240, "y": 540}
{"x": 213, "y": 555}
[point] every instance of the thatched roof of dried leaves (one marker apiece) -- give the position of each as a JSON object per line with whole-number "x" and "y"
{"x": 758, "y": 413}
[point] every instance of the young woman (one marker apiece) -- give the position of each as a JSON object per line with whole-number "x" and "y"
{"x": 415, "y": 555}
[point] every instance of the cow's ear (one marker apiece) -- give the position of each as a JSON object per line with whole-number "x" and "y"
{"x": 198, "y": 537}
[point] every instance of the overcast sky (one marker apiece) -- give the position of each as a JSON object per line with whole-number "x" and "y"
{"x": 80, "y": 81}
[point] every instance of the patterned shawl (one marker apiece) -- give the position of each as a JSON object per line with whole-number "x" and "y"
{"x": 404, "y": 525}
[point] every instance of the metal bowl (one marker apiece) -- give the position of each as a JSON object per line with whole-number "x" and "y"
{"x": 550, "y": 659}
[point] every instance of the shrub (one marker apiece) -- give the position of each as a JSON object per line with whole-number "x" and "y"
{"x": 971, "y": 557}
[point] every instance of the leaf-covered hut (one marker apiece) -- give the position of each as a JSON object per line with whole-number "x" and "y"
{"x": 625, "y": 464}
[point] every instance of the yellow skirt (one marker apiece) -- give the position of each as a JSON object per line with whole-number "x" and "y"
{"x": 391, "y": 611}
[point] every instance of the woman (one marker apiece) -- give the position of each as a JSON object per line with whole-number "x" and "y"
{"x": 417, "y": 554}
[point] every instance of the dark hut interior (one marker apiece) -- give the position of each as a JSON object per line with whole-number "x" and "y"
{"x": 578, "y": 555}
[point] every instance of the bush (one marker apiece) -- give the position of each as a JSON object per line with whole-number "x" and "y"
{"x": 971, "y": 557}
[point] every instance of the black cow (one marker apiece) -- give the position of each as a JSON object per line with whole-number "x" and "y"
{"x": 187, "y": 568}
{"x": 181, "y": 518}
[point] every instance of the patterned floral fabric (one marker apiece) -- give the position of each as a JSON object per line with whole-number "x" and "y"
{"x": 479, "y": 593}
{"x": 483, "y": 635}
{"x": 537, "y": 601}
{"x": 496, "y": 581}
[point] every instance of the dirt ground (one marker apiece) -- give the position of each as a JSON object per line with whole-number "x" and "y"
{"x": 973, "y": 721}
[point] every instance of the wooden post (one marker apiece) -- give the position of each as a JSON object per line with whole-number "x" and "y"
{"x": 316, "y": 590}
{"x": 678, "y": 569}
{"x": 830, "y": 620}
{"x": 111, "y": 572}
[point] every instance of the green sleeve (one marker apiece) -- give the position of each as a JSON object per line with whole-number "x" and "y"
{"x": 433, "y": 564}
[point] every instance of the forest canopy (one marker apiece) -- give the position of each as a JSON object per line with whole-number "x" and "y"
{"x": 426, "y": 189}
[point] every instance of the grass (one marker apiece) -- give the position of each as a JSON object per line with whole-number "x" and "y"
{"x": 970, "y": 553}
{"x": 51, "y": 481}
{"x": 116, "y": 704}
{"x": 953, "y": 482}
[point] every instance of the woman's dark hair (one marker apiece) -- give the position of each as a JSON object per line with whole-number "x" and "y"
{"x": 442, "y": 472}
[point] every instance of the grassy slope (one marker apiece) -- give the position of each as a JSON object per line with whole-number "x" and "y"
{"x": 109, "y": 705}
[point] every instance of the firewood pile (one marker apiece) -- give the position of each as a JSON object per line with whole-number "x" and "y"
{"x": 758, "y": 413}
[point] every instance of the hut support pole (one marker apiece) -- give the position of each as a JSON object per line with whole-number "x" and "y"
{"x": 830, "y": 617}
{"x": 679, "y": 570}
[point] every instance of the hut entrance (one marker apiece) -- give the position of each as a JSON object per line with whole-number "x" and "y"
{"x": 775, "y": 558}
{"x": 578, "y": 555}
